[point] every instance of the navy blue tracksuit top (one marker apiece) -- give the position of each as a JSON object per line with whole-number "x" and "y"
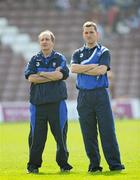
{"x": 96, "y": 55}
{"x": 48, "y": 92}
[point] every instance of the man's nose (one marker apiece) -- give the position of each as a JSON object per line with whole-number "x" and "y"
{"x": 88, "y": 34}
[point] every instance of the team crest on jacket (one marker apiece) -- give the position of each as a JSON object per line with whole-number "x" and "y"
{"x": 81, "y": 55}
{"x": 54, "y": 64}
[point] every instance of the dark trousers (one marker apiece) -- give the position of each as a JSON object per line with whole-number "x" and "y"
{"x": 56, "y": 115}
{"x": 94, "y": 110}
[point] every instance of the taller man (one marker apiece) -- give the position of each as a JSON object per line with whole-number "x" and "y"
{"x": 91, "y": 63}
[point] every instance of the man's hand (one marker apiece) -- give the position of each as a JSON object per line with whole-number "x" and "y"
{"x": 100, "y": 70}
{"x": 52, "y": 76}
{"x": 81, "y": 68}
{"x": 58, "y": 68}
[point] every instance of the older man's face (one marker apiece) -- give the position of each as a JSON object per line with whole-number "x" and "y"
{"x": 46, "y": 42}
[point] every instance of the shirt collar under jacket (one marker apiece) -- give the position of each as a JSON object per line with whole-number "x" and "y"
{"x": 48, "y": 57}
{"x": 86, "y": 48}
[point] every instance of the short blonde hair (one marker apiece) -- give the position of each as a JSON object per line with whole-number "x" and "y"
{"x": 90, "y": 24}
{"x": 47, "y": 32}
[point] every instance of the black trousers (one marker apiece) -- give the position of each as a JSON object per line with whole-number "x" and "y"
{"x": 95, "y": 114}
{"x": 56, "y": 115}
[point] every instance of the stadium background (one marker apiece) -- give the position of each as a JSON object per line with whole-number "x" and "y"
{"x": 119, "y": 26}
{"x": 22, "y": 21}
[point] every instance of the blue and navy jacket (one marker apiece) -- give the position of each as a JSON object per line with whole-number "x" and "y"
{"x": 50, "y": 91}
{"x": 97, "y": 55}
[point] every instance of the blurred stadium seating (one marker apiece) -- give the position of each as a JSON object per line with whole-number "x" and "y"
{"x": 126, "y": 65}
{"x": 29, "y": 18}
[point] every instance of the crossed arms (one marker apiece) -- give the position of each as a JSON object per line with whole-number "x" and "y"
{"x": 89, "y": 69}
{"x": 43, "y": 77}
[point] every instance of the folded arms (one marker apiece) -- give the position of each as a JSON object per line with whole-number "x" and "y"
{"x": 43, "y": 77}
{"x": 89, "y": 69}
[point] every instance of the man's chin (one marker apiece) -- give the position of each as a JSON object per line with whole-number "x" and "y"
{"x": 45, "y": 48}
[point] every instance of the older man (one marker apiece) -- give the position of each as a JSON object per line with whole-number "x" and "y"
{"x": 46, "y": 72}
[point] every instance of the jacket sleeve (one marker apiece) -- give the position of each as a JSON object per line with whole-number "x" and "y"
{"x": 75, "y": 57}
{"x": 30, "y": 68}
{"x": 105, "y": 59}
{"x": 64, "y": 69}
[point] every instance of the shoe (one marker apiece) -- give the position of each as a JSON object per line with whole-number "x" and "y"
{"x": 66, "y": 168}
{"x": 117, "y": 168}
{"x": 95, "y": 169}
{"x": 32, "y": 170}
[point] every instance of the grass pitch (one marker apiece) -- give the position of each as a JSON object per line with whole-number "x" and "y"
{"x": 14, "y": 154}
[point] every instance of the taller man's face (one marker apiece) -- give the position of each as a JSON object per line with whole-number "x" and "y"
{"x": 45, "y": 42}
{"x": 90, "y": 35}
